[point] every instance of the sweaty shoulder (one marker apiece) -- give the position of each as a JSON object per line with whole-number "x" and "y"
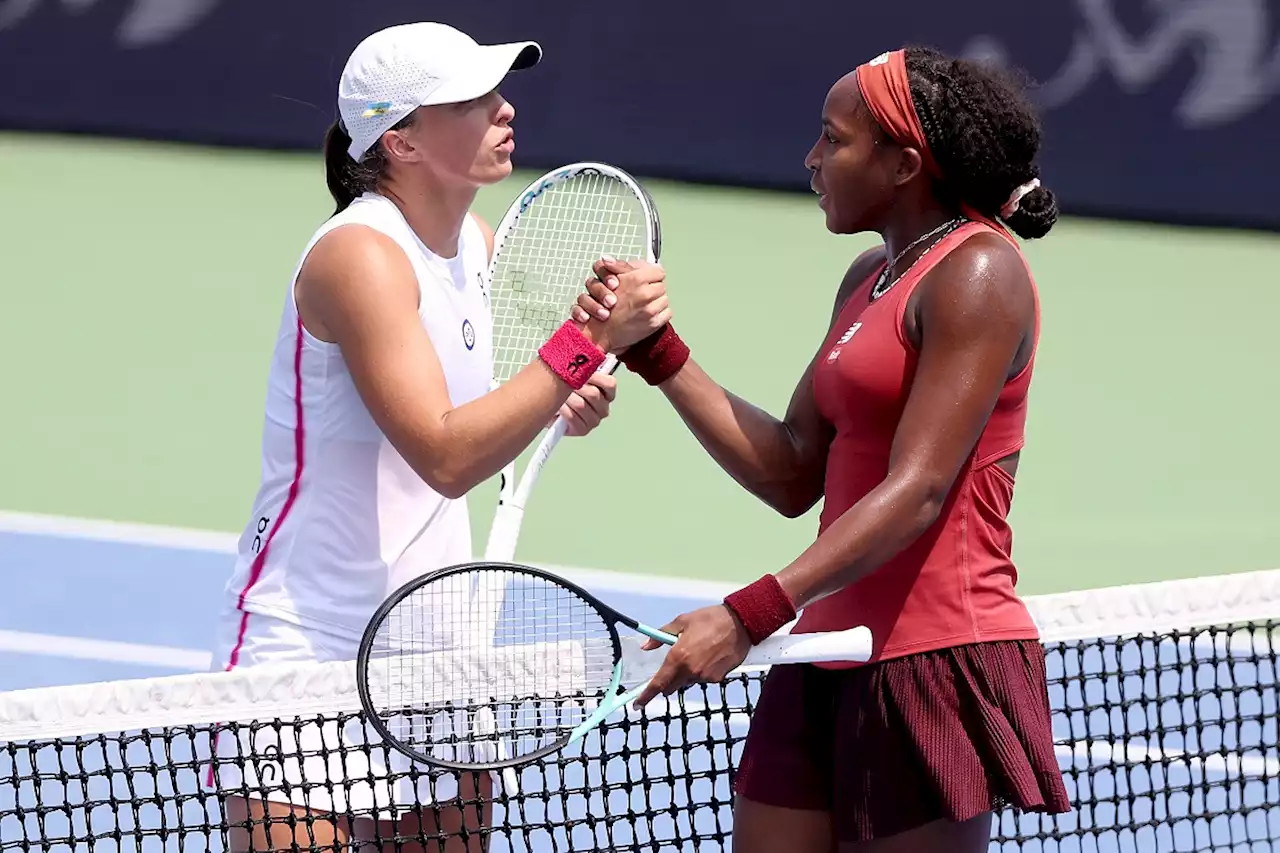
{"x": 349, "y": 269}
{"x": 984, "y": 272}
{"x": 982, "y": 286}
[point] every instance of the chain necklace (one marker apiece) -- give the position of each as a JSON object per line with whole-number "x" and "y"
{"x": 883, "y": 285}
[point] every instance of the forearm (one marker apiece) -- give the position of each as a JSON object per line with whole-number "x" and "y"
{"x": 875, "y": 529}
{"x": 753, "y": 447}
{"x": 458, "y": 448}
{"x": 475, "y": 440}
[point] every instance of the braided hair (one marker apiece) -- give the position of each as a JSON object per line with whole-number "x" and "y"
{"x": 984, "y": 134}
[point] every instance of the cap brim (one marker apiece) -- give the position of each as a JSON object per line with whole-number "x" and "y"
{"x": 492, "y": 63}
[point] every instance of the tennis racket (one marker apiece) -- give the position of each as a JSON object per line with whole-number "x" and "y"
{"x": 543, "y": 250}
{"x": 553, "y": 672}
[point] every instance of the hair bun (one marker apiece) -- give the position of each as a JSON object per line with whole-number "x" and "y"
{"x": 1036, "y": 214}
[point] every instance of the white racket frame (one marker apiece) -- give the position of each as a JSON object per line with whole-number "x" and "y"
{"x": 508, "y": 517}
{"x": 512, "y": 497}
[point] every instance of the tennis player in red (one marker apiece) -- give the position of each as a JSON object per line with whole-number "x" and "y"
{"x": 908, "y": 424}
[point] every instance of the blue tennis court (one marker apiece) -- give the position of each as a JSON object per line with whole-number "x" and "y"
{"x": 136, "y": 610}
{"x": 139, "y": 610}
{"x": 1169, "y": 737}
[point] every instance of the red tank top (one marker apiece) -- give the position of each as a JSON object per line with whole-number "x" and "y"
{"x": 955, "y": 584}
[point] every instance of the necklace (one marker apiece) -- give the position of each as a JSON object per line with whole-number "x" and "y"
{"x": 883, "y": 285}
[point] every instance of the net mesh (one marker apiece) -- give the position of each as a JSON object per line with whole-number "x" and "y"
{"x": 1164, "y": 713}
{"x": 540, "y": 266}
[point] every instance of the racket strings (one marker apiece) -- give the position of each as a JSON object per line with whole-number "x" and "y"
{"x": 488, "y": 666}
{"x": 543, "y": 263}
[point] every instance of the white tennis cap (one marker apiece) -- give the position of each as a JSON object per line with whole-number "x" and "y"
{"x": 394, "y": 71}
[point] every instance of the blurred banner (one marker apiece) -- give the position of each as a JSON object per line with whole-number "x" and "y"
{"x": 1157, "y": 109}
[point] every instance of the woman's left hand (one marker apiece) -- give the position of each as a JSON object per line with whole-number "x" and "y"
{"x": 712, "y": 643}
{"x": 588, "y": 406}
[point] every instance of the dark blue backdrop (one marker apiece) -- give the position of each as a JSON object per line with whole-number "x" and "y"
{"x": 1161, "y": 109}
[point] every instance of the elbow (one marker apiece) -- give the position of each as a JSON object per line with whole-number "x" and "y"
{"x": 792, "y": 507}
{"x": 448, "y": 466}
{"x": 801, "y": 488}
{"x": 450, "y": 487}
{"x": 925, "y": 496}
{"x": 792, "y": 500}
{"x": 450, "y": 481}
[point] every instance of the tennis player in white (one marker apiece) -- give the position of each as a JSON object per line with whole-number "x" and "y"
{"x": 379, "y": 419}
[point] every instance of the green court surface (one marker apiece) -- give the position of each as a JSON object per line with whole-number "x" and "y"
{"x": 142, "y": 285}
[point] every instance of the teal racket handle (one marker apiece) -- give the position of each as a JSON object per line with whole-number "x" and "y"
{"x": 614, "y": 702}
{"x": 656, "y": 634}
{"x": 606, "y": 708}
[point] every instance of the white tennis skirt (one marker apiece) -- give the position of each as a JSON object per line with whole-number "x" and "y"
{"x": 326, "y": 765}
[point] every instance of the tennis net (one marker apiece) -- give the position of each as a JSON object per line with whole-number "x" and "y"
{"x": 1164, "y": 712}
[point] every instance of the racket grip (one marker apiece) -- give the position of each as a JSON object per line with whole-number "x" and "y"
{"x": 608, "y": 366}
{"x": 510, "y": 782}
{"x": 853, "y": 644}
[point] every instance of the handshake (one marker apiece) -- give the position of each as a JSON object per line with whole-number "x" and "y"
{"x": 624, "y": 311}
{"x": 624, "y": 303}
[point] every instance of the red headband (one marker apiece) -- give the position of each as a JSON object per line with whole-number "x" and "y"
{"x": 884, "y": 86}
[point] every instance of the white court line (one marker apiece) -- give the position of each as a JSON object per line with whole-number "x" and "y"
{"x": 53, "y": 645}
{"x": 151, "y": 535}
{"x": 207, "y": 541}
{"x": 1101, "y": 753}
{"x": 117, "y": 531}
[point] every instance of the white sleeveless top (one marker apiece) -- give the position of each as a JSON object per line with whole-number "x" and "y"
{"x": 340, "y": 519}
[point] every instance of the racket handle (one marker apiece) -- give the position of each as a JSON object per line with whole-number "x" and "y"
{"x": 543, "y": 451}
{"x": 853, "y": 644}
{"x": 504, "y": 533}
{"x": 510, "y": 782}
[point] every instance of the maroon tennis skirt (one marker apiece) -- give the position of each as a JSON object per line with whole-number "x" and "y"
{"x": 891, "y": 746}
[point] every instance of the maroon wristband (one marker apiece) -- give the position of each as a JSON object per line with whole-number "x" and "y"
{"x": 571, "y": 355}
{"x": 763, "y": 607}
{"x": 658, "y": 357}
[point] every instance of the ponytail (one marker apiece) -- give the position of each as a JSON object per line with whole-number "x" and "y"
{"x": 1036, "y": 213}
{"x": 346, "y": 178}
{"x": 985, "y": 134}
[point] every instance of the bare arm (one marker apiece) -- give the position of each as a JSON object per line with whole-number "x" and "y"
{"x": 975, "y": 316}
{"x": 782, "y": 462}
{"x": 358, "y": 290}
{"x": 778, "y": 461}
{"x": 975, "y": 311}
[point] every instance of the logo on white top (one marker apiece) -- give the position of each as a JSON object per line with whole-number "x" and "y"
{"x": 468, "y": 334}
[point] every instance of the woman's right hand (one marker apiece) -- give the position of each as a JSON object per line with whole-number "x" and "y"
{"x": 637, "y": 309}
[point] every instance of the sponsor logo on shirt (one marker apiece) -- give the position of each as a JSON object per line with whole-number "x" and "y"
{"x": 844, "y": 339}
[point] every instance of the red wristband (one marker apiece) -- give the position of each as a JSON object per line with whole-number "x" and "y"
{"x": 571, "y": 355}
{"x": 763, "y": 607}
{"x": 658, "y": 357}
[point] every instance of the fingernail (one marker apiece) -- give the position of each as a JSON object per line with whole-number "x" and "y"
{"x": 610, "y": 300}
{"x": 609, "y": 259}
{"x": 612, "y": 282}
{"x": 602, "y": 314}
